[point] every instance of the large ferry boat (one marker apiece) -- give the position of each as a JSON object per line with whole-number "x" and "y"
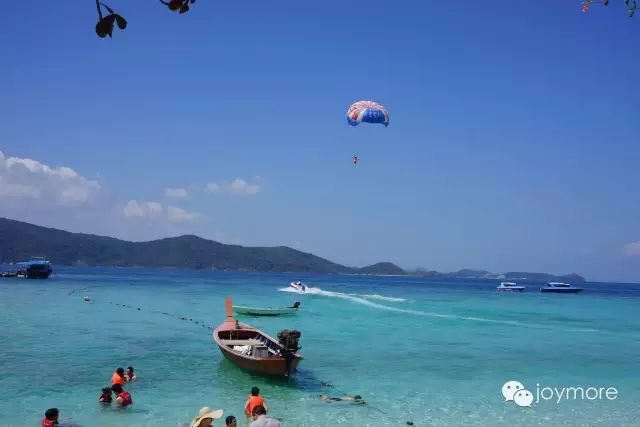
{"x": 35, "y": 268}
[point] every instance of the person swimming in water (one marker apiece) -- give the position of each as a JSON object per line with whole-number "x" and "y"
{"x": 105, "y": 397}
{"x": 129, "y": 375}
{"x": 123, "y": 398}
{"x": 50, "y": 418}
{"x": 356, "y": 399}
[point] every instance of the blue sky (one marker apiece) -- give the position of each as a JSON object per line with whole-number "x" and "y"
{"x": 513, "y": 143}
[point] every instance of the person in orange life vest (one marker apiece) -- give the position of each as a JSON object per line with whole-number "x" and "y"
{"x": 118, "y": 377}
{"x": 254, "y": 400}
{"x": 50, "y": 418}
{"x": 123, "y": 398}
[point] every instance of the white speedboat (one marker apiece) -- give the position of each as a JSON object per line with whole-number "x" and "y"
{"x": 560, "y": 288}
{"x": 298, "y": 286}
{"x": 510, "y": 287}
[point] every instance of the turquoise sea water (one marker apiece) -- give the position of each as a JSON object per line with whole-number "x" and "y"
{"x": 434, "y": 352}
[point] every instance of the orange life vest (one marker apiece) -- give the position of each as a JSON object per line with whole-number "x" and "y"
{"x": 117, "y": 379}
{"x": 253, "y": 402}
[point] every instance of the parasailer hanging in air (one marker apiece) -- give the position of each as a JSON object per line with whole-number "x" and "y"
{"x": 366, "y": 112}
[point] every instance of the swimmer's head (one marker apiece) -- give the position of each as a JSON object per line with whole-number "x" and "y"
{"x": 51, "y": 414}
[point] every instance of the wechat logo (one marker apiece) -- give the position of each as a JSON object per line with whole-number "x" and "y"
{"x": 515, "y": 391}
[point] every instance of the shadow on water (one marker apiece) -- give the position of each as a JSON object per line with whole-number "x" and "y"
{"x": 302, "y": 380}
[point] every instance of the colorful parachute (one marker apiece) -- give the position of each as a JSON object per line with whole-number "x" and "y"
{"x": 368, "y": 112}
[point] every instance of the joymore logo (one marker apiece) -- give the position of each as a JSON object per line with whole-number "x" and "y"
{"x": 515, "y": 391}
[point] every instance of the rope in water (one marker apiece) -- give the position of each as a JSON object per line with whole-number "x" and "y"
{"x": 164, "y": 313}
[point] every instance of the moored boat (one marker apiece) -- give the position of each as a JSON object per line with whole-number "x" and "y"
{"x": 560, "y": 288}
{"x": 510, "y": 287}
{"x": 269, "y": 311}
{"x": 35, "y": 268}
{"x": 253, "y": 350}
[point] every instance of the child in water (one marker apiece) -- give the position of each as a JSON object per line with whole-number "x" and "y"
{"x": 50, "y": 418}
{"x": 105, "y": 397}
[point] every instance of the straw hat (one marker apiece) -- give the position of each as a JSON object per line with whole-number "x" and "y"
{"x": 206, "y": 412}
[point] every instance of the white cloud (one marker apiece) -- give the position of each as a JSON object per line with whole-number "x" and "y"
{"x": 632, "y": 249}
{"x": 212, "y": 187}
{"x": 133, "y": 208}
{"x": 176, "y": 214}
{"x": 238, "y": 187}
{"x": 60, "y": 197}
{"x": 17, "y": 190}
{"x": 175, "y": 192}
{"x": 30, "y": 179}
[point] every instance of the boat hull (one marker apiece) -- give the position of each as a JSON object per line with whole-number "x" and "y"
{"x": 268, "y": 366}
{"x": 274, "y": 367}
{"x": 38, "y": 273}
{"x": 251, "y": 311}
{"x": 510, "y": 290}
{"x": 561, "y": 291}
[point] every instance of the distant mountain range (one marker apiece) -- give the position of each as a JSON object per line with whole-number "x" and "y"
{"x": 21, "y": 240}
{"x": 483, "y": 274}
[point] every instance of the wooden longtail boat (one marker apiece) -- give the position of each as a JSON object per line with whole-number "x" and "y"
{"x": 253, "y": 350}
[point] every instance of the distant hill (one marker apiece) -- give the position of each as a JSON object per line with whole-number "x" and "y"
{"x": 382, "y": 268}
{"x": 536, "y": 277}
{"x": 20, "y": 240}
{"x": 466, "y": 272}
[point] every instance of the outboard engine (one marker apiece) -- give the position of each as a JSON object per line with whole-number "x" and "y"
{"x": 289, "y": 340}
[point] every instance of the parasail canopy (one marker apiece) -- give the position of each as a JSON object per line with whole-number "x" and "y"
{"x": 367, "y": 112}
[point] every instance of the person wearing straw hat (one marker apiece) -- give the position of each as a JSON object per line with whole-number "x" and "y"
{"x": 206, "y": 417}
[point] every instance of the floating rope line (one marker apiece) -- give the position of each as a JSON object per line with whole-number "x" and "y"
{"x": 164, "y": 313}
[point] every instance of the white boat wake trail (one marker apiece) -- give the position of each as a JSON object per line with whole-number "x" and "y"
{"x": 383, "y": 298}
{"x": 362, "y": 299}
